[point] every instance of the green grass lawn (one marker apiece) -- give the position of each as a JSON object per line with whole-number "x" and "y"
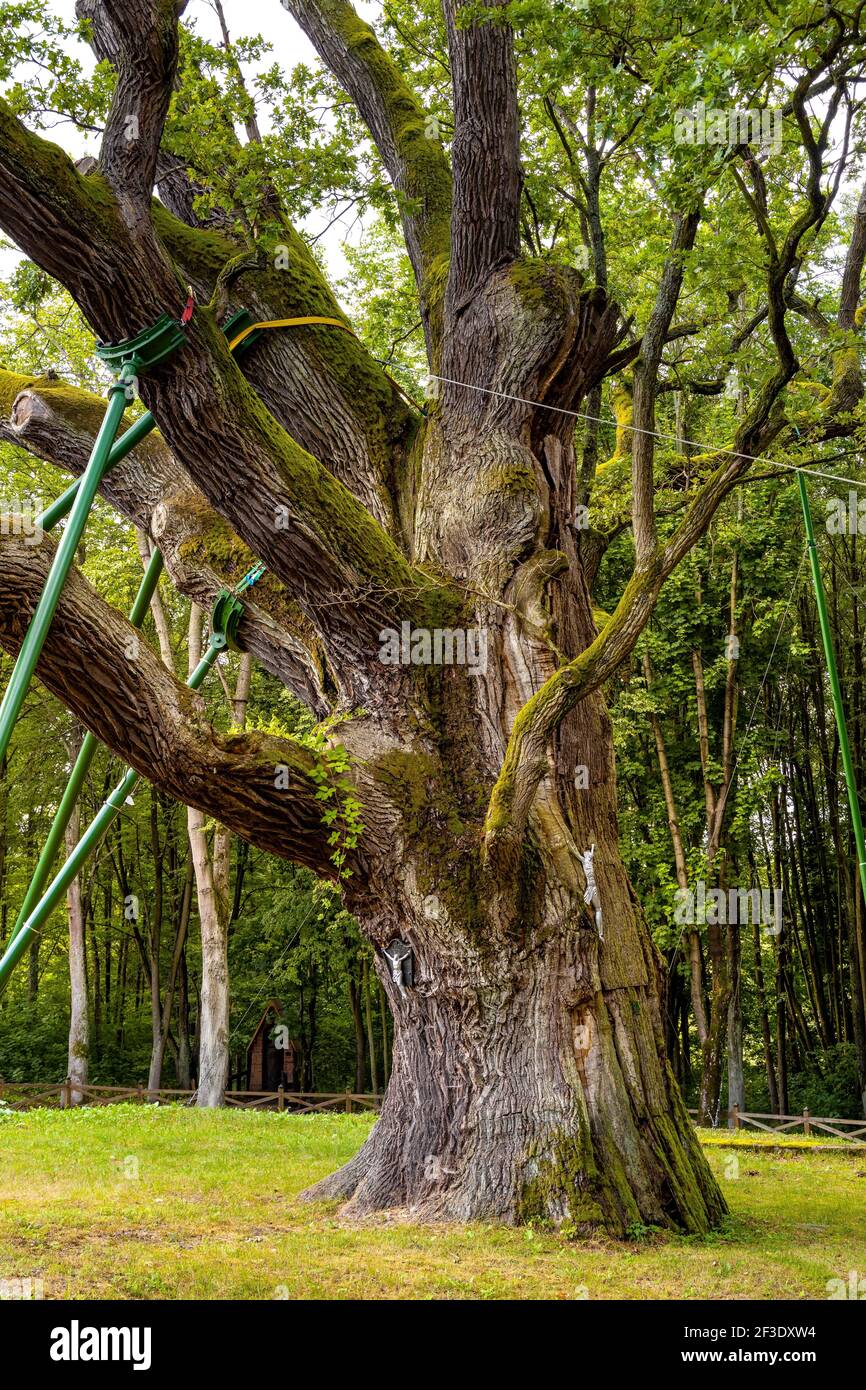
{"x": 138, "y": 1202}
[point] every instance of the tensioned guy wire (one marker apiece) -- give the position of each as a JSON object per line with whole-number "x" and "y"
{"x": 656, "y": 434}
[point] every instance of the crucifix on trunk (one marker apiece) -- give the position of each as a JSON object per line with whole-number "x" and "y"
{"x": 399, "y": 957}
{"x": 591, "y": 893}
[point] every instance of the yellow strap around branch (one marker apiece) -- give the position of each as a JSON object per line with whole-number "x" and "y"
{"x": 316, "y": 318}
{"x": 288, "y": 323}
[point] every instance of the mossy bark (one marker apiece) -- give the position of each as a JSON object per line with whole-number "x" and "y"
{"x": 529, "y": 1077}
{"x": 530, "y": 1080}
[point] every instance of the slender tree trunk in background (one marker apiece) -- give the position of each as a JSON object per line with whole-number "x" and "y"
{"x": 90, "y": 927}
{"x": 358, "y": 1022}
{"x": 694, "y": 939}
{"x": 371, "y": 1037}
{"x": 717, "y": 802}
{"x": 107, "y": 950}
{"x": 766, "y": 1038}
{"x": 120, "y": 991}
{"x": 242, "y": 857}
{"x": 685, "y": 1041}
{"x": 33, "y": 952}
{"x": 157, "y": 1049}
{"x": 196, "y": 1030}
{"x": 713, "y": 1051}
{"x": 809, "y": 959}
{"x": 33, "y": 969}
{"x": 184, "y": 1060}
{"x": 311, "y": 1030}
{"x": 781, "y": 944}
{"x": 675, "y": 989}
{"x": 213, "y": 1053}
{"x": 215, "y": 1004}
{"x": 212, "y": 892}
{"x": 79, "y": 1040}
{"x": 159, "y": 1023}
{"x": 736, "y": 1081}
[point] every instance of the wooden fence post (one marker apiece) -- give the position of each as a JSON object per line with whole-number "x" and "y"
{"x": 348, "y": 1104}
{"x": 140, "y": 1092}
{"x": 735, "y": 1117}
{"x": 807, "y": 1128}
{"x": 281, "y": 1096}
{"x": 66, "y": 1094}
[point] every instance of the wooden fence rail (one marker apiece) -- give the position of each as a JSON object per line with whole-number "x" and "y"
{"x": 851, "y": 1130}
{"x": 27, "y": 1095}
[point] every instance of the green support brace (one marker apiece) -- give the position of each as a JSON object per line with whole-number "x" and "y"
{"x": 835, "y": 688}
{"x": 137, "y": 431}
{"x": 64, "y": 556}
{"x": 86, "y": 753}
{"x": 141, "y": 353}
{"x": 89, "y": 841}
{"x": 119, "y": 449}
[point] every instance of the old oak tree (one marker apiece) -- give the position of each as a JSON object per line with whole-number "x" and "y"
{"x": 529, "y": 1074}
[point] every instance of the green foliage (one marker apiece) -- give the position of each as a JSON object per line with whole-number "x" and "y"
{"x": 341, "y": 807}
{"x": 265, "y": 147}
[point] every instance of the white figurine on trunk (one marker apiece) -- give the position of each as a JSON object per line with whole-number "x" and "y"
{"x": 396, "y": 953}
{"x": 591, "y": 894}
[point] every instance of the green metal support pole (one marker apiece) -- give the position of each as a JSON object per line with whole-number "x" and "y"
{"x": 89, "y": 745}
{"x": 136, "y": 433}
{"x": 89, "y": 841}
{"x": 119, "y": 450}
{"x": 64, "y": 556}
{"x": 147, "y": 349}
{"x": 835, "y": 688}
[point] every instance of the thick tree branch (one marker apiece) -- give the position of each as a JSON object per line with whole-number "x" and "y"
{"x": 350, "y": 578}
{"x": 525, "y": 762}
{"x": 58, "y": 423}
{"x": 485, "y": 154}
{"x": 70, "y": 225}
{"x": 321, "y": 384}
{"x": 849, "y": 297}
{"x": 397, "y": 121}
{"x": 142, "y": 43}
{"x": 103, "y": 671}
{"x": 645, "y": 385}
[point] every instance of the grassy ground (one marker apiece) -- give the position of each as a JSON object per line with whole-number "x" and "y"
{"x": 757, "y": 1139}
{"x": 139, "y": 1202}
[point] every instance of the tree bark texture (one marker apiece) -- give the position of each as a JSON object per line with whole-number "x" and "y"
{"x": 528, "y": 1074}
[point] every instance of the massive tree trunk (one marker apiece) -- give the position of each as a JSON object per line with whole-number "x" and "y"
{"x": 529, "y": 1076}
